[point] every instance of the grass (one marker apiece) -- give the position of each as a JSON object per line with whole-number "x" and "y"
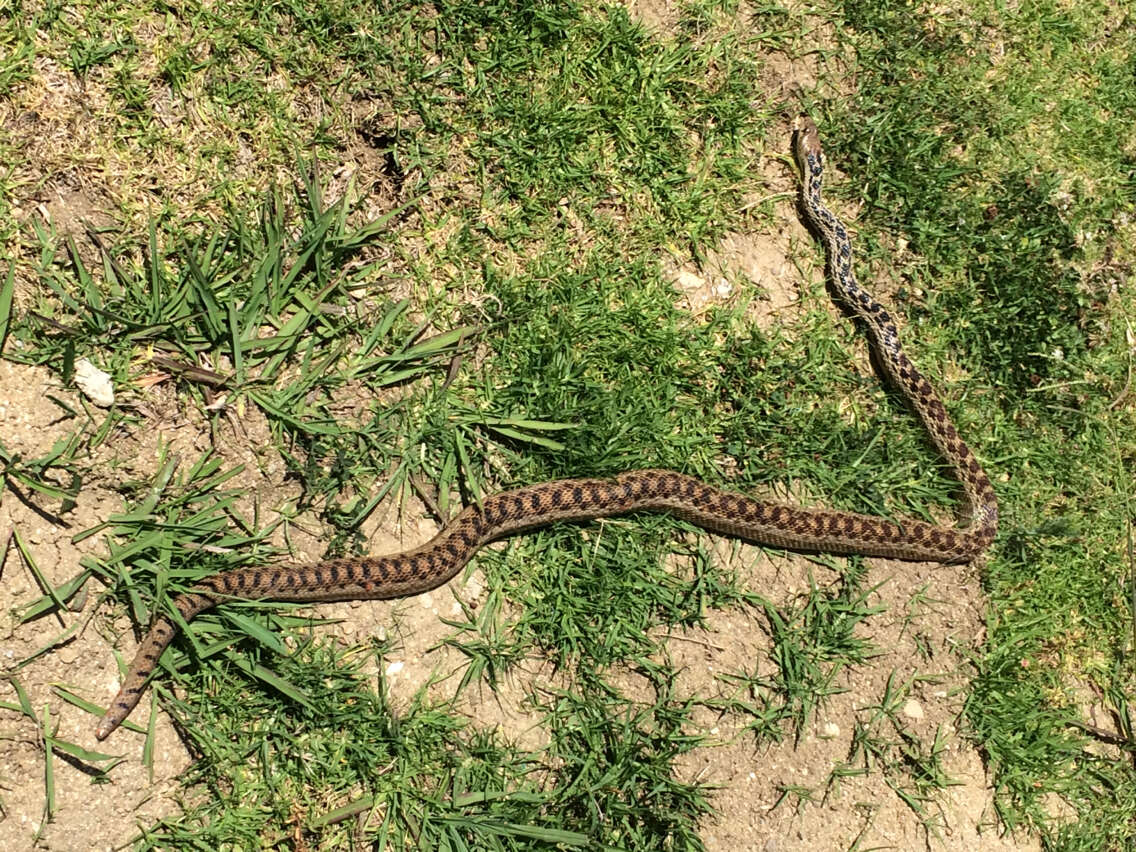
{"x": 1047, "y": 224}
{"x": 483, "y": 303}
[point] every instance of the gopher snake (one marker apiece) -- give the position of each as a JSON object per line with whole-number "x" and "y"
{"x": 508, "y": 512}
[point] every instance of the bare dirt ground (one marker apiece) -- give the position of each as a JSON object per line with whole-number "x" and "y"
{"x": 931, "y": 619}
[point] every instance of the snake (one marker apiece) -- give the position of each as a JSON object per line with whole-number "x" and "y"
{"x": 506, "y": 513}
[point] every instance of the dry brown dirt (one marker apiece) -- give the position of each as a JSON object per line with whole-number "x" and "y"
{"x": 931, "y": 617}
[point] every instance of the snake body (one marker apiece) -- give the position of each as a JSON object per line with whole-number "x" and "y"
{"x": 508, "y": 512}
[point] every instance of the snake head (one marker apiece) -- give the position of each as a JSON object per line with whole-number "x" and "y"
{"x": 806, "y": 141}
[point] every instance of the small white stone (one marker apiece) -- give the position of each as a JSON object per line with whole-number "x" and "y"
{"x": 68, "y": 655}
{"x": 829, "y": 730}
{"x": 394, "y": 668}
{"x": 688, "y": 280}
{"x": 94, "y": 383}
{"x": 912, "y": 709}
{"x": 474, "y": 586}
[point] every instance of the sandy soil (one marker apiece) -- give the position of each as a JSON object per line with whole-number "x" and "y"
{"x": 931, "y": 617}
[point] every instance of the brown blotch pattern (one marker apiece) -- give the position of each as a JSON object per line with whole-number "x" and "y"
{"x": 768, "y": 522}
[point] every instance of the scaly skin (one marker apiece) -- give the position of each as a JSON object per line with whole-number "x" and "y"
{"x": 509, "y": 512}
